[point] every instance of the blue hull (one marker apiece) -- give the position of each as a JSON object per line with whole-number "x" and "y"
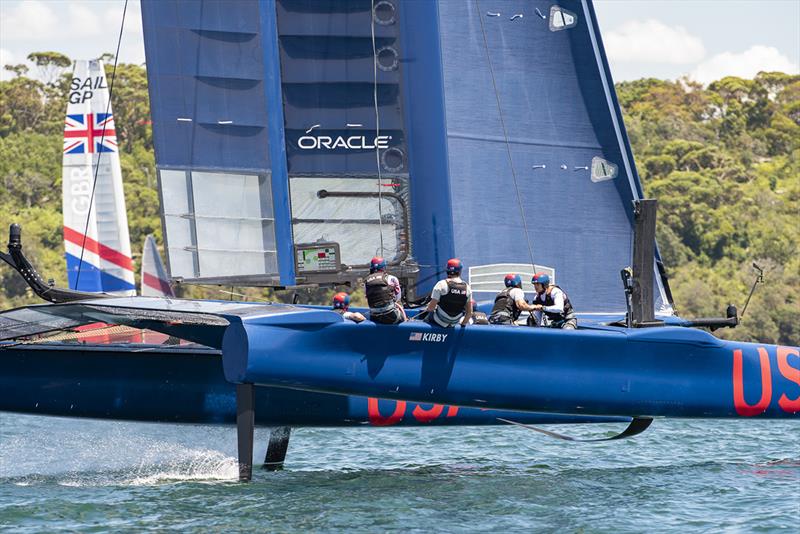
{"x": 595, "y": 370}
{"x": 667, "y": 371}
{"x": 186, "y": 385}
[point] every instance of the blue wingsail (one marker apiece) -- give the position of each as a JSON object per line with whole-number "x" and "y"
{"x": 289, "y": 131}
{"x": 539, "y": 162}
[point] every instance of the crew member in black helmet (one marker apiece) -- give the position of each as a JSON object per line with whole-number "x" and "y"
{"x": 510, "y": 302}
{"x": 451, "y": 299}
{"x": 551, "y": 305}
{"x": 341, "y": 305}
{"x": 383, "y": 294}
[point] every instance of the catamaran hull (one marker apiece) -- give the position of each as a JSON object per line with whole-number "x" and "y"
{"x": 187, "y": 385}
{"x": 668, "y": 371}
{"x": 595, "y": 370}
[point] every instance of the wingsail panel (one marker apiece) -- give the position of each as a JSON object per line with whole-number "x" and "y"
{"x": 414, "y": 130}
{"x": 98, "y": 249}
{"x": 345, "y": 130}
{"x": 528, "y": 120}
{"x": 214, "y": 99}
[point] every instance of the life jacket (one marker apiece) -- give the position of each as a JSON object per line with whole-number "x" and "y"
{"x": 547, "y": 300}
{"x": 454, "y": 302}
{"x": 393, "y": 316}
{"x": 380, "y": 294}
{"x": 503, "y": 303}
{"x": 479, "y": 318}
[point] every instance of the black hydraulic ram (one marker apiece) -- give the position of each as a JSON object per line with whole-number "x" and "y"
{"x": 17, "y": 260}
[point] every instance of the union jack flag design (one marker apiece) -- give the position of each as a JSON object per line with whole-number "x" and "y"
{"x": 84, "y": 133}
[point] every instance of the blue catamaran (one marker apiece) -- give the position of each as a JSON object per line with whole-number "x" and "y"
{"x": 295, "y": 139}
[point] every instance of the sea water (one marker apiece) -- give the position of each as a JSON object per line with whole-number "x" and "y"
{"x": 75, "y": 475}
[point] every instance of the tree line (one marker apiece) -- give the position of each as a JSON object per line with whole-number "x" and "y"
{"x": 723, "y": 162}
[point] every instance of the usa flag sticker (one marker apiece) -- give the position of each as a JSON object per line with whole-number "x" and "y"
{"x": 428, "y": 336}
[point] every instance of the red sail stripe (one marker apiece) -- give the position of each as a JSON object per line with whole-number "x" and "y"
{"x": 156, "y": 283}
{"x": 106, "y": 253}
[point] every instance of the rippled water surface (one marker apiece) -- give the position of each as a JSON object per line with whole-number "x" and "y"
{"x": 76, "y": 475}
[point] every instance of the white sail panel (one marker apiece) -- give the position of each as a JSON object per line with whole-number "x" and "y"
{"x": 96, "y": 239}
{"x": 155, "y": 281}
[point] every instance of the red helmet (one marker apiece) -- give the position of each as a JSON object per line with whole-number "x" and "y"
{"x": 377, "y": 264}
{"x": 541, "y": 278}
{"x": 341, "y": 301}
{"x": 454, "y": 266}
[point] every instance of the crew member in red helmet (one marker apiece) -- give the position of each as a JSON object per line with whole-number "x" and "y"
{"x": 383, "y": 294}
{"x": 451, "y": 299}
{"x": 341, "y": 305}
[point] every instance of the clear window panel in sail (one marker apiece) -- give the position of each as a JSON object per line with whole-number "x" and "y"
{"x": 234, "y": 225}
{"x": 345, "y": 210}
{"x": 178, "y": 223}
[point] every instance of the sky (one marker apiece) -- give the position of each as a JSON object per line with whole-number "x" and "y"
{"x": 701, "y": 39}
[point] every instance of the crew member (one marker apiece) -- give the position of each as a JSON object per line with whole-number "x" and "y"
{"x": 341, "y": 304}
{"x": 478, "y": 317}
{"x": 551, "y": 305}
{"x": 510, "y": 302}
{"x": 451, "y": 299}
{"x": 383, "y": 294}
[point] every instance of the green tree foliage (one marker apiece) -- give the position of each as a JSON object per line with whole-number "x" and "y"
{"x": 723, "y": 161}
{"x": 132, "y": 108}
{"x": 724, "y": 164}
{"x": 31, "y": 126}
{"x": 50, "y": 64}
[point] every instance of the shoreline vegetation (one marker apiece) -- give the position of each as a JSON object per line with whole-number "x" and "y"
{"x": 722, "y": 160}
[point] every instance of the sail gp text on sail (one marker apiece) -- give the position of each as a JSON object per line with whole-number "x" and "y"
{"x": 82, "y": 89}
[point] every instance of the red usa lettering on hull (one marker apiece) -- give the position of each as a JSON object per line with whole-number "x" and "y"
{"x": 786, "y": 370}
{"x": 423, "y": 415}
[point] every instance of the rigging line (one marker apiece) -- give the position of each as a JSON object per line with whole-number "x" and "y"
{"x": 505, "y": 135}
{"x": 223, "y": 291}
{"x": 377, "y": 121}
{"x": 100, "y": 154}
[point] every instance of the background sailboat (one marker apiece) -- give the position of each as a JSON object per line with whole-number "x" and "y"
{"x": 96, "y": 238}
{"x": 96, "y": 234}
{"x": 155, "y": 281}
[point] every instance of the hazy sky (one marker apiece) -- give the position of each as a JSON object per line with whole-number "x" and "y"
{"x": 702, "y": 39}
